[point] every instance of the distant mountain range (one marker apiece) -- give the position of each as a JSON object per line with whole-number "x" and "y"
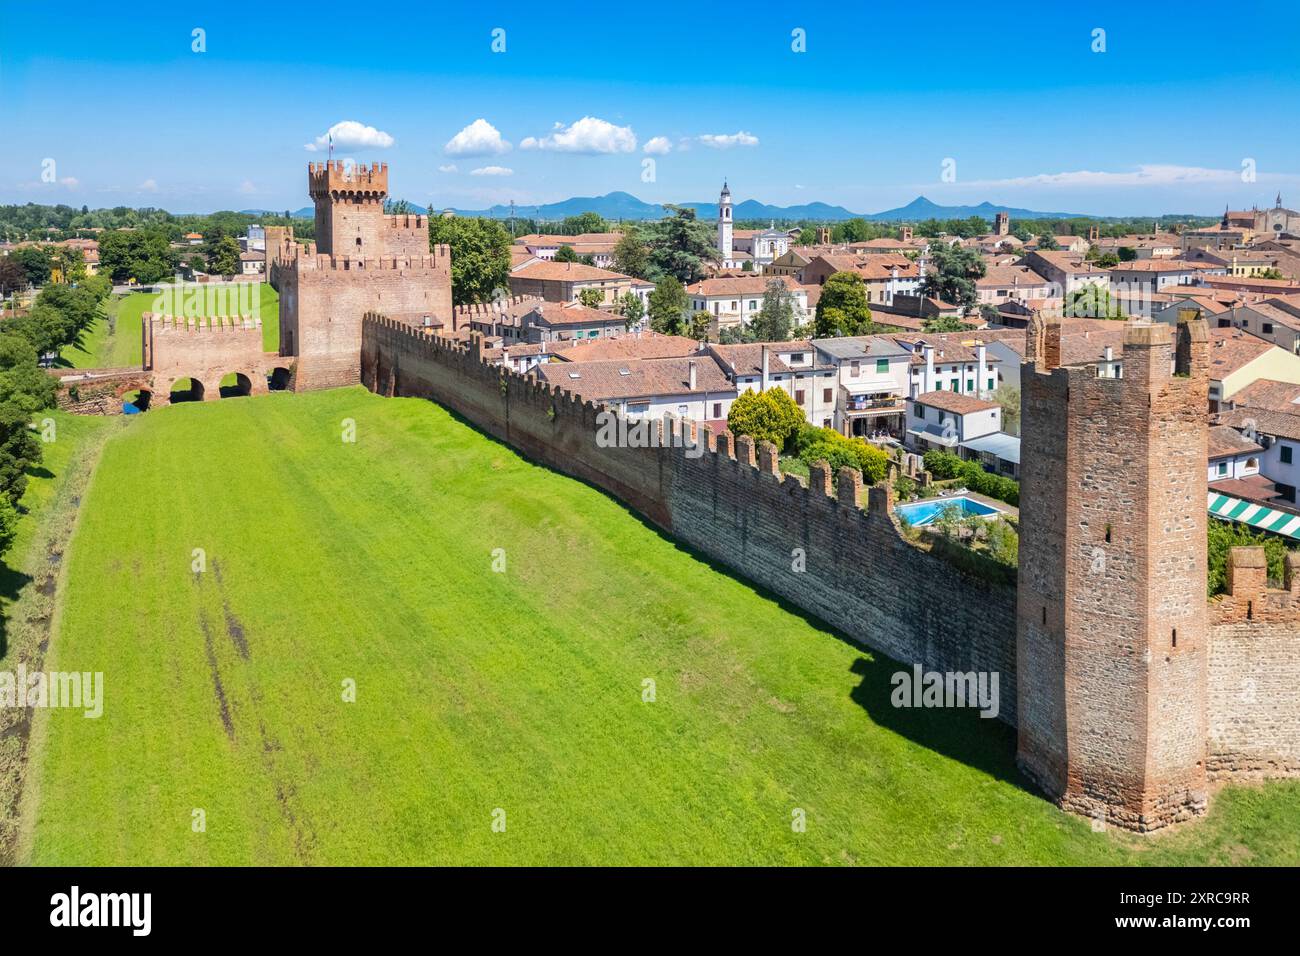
{"x": 621, "y": 205}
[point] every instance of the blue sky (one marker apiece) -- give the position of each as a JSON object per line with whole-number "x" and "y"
{"x": 1162, "y": 121}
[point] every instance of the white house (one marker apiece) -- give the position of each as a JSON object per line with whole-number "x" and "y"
{"x": 795, "y": 367}
{"x": 1232, "y": 455}
{"x": 872, "y": 379}
{"x": 735, "y": 300}
{"x": 694, "y": 387}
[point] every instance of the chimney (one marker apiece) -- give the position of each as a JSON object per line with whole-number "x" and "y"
{"x": 762, "y": 384}
{"x": 690, "y": 375}
{"x": 981, "y": 367}
{"x": 927, "y": 378}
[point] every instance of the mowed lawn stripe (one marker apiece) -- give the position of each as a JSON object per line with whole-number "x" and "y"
{"x": 372, "y": 561}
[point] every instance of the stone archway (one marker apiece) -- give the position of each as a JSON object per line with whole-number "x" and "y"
{"x": 236, "y": 384}
{"x": 186, "y": 390}
{"x": 280, "y": 379}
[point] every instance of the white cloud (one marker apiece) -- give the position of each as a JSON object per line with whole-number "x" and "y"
{"x": 149, "y": 186}
{"x": 1148, "y": 175}
{"x": 350, "y": 135}
{"x": 479, "y": 138}
{"x": 492, "y": 171}
{"x": 247, "y": 187}
{"x": 658, "y": 144}
{"x": 728, "y": 140}
{"x": 587, "y": 135}
{"x": 448, "y": 168}
{"x": 72, "y": 182}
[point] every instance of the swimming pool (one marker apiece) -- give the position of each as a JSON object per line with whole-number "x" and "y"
{"x": 921, "y": 513}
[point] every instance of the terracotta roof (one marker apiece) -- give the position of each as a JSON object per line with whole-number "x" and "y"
{"x": 565, "y": 272}
{"x": 955, "y": 402}
{"x": 569, "y": 313}
{"x": 1253, "y": 487}
{"x": 999, "y": 277}
{"x": 1270, "y": 394}
{"x": 644, "y": 345}
{"x": 740, "y": 285}
{"x": 1233, "y": 349}
{"x": 636, "y": 378}
{"x": 1227, "y": 442}
{"x": 1261, "y": 421}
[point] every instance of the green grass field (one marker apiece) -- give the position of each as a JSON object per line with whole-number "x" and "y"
{"x": 120, "y": 348}
{"x": 479, "y": 691}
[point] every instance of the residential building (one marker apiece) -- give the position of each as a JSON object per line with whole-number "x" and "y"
{"x": 694, "y": 388}
{"x": 1238, "y": 358}
{"x": 736, "y": 300}
{"x": 598, "y": 245}
{"x": 565, "y": 281}
{"x": 871, "y": 382}
{"x": 794, "y": 366}
{"x": 1012, "y": 283}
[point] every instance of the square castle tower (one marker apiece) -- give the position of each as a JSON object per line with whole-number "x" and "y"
{"x": 361, "y": 260}
{"x": 1112, "y": 631}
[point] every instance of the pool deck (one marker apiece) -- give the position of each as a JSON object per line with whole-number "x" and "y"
{"x": 1010, "y": 511}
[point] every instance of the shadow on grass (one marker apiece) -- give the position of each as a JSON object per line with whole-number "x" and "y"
{"x": 984, "y": 744}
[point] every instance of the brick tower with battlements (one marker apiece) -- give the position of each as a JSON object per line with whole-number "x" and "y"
{"x": 361, "y": 260}
{"x": 1111, "y": 629}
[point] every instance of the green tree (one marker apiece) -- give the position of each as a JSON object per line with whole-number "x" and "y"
{"x": 698, "y": 326}
{"x": 944, "y": 323}
{"x": 1008, "y": 398}
{"x": 776, "y": 317}
{"x": 480, "y": 256}
{"x": 144, "y": 255}
{"x": 224, "y": 258}
{"x": 842, "y": 308}
{"x": 668, "y": 305}
{"x": 1048, "y": 243}
{"x": 8, "y": 524}
{"x": 35, "y": 262}
{"x": 952, "y": 273}
{"x": 13, "y": 278}
{"x": 631, "y": 257}
{"x": 565, "y": 254}
{"x": 1091, "y": 301}
{"x": 591, "y": 298}
{"x": 631, "y": 308}
{"x": 583, "y": 222}
{"x": 680, "y": 245}
{"x": 769, "y": 415}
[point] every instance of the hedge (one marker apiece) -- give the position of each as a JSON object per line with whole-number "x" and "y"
{"x": 944, "y": 464}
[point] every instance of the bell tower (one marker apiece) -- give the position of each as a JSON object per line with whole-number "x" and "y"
{"x": 724, "y": 224}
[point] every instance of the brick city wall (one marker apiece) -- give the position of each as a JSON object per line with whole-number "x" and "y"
{"x": 1254, "y": 672}
{"x": 97, "y": 392}
{"x": 861, "y": 576}
{"x": 206, "y": 350}
{"x": 322, "y": 301}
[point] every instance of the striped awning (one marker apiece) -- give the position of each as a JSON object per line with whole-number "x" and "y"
{"x": 1257, "y": 516}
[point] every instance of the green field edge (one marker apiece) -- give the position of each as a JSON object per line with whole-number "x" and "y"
{"x": 31, "y": 623}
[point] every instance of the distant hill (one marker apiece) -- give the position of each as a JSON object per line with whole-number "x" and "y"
{"x": 921, "y": 208}
{"x": 621, "y": 205}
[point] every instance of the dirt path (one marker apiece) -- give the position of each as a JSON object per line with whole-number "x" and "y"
{"x": 30, "y": 622}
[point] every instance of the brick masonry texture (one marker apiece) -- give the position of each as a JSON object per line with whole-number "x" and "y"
{"x": 1126, "y": 690}
{"x": 1254, "y": 672}
{"x": 1112, "y": 615}
{"x": 861, "y": 576}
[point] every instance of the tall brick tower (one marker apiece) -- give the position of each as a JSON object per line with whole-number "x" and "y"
{"x": 362, "y": 260}
{"x": 349, "y": 203}
{"x": 1111, "y": 635}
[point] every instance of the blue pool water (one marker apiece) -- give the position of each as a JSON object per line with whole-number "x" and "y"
{"x": 921, "y": 513}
